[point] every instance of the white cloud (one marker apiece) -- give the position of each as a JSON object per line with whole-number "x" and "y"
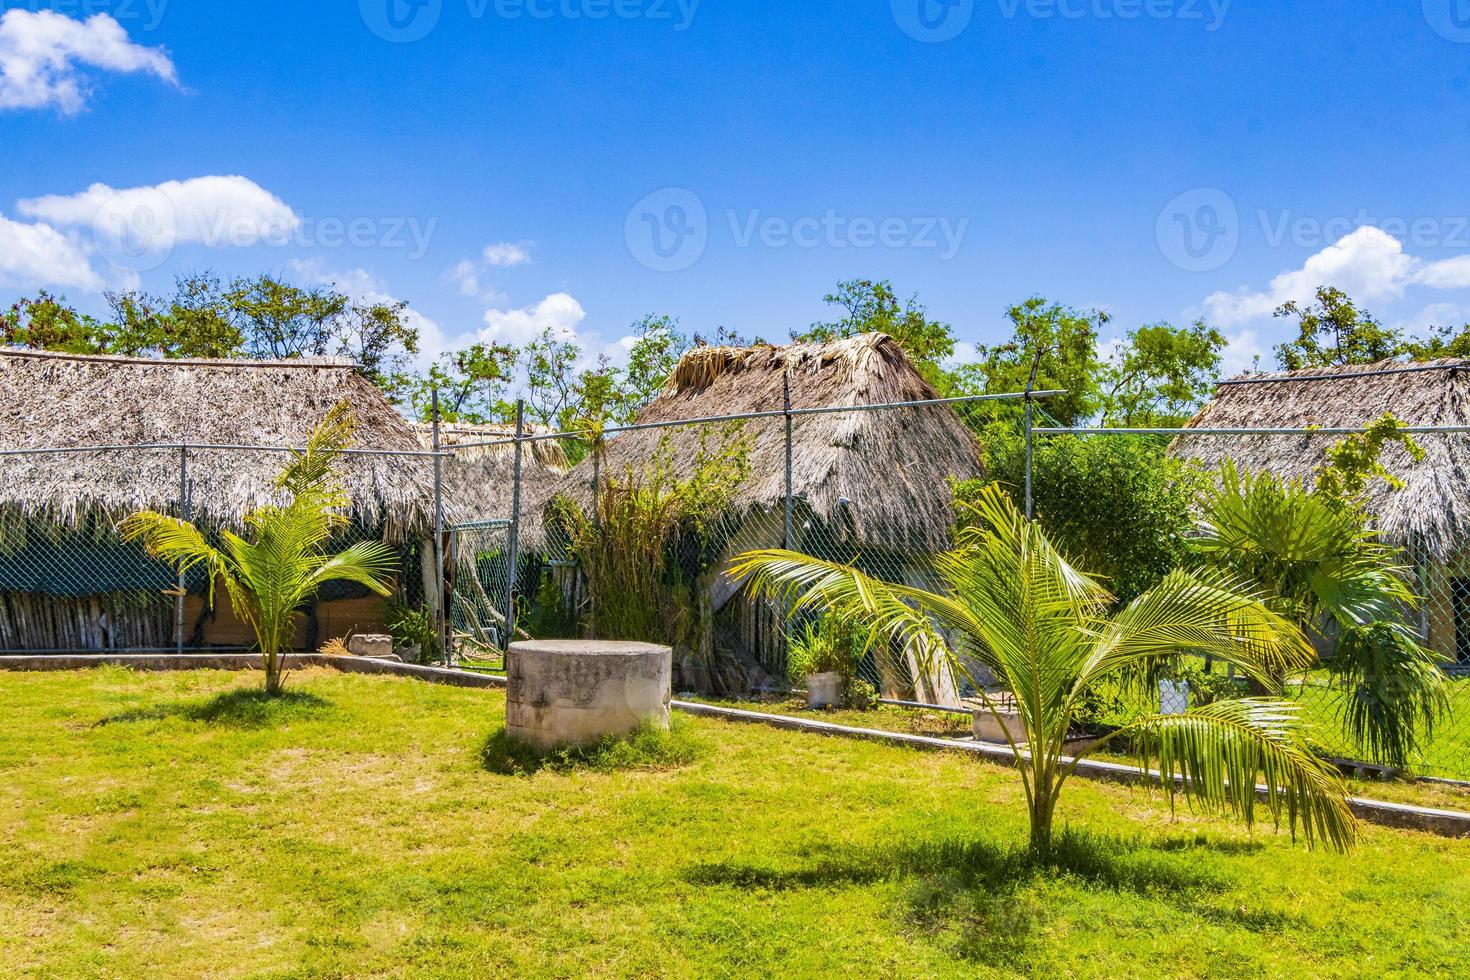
{"x": 213, "y": 211}
{"x": 1241, "y": 353}
{"x": 42, "y": 54}
{"x": 35, "y": 255}
{"x": 506, "y": 255}
{"x": 469, "y": 274}
{"x": 1368, "y": 264}
{"x": 559, "y": 313}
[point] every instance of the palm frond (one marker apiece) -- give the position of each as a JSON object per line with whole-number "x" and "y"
{"x": 1395, "y": 691}
{"x": 370, "y": 564}
{"x": 1205, "y": 612}
{"x": 1216, "y": 755}
{"x": 178, "y": 543}
{"x": 311, "y": 468}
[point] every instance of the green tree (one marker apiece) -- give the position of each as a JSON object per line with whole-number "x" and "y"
{"x": 1333, "y": 331}
{"x": 1013, "y": 603}
{"x": 1067, "y": 342}
{"x": 274, "y": 571}
{"x": 873, "y": 307}
{"x": 656, "y": 350}
{"x": 472, "y": 385}
{"x": 1161, "y": 375}
{"x": 1119, "y": 505}
{"x": 1317, "y": 561}
{"x": 45, "y": 322}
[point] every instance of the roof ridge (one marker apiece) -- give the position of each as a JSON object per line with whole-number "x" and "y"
{"x": 242, "y": 363}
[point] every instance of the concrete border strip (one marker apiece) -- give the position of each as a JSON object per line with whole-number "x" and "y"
{"x": 1446, "y": 823}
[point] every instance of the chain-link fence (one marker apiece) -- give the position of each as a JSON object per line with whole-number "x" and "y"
{"x": 70, "y": 582}
{"x": 523, "y": 532}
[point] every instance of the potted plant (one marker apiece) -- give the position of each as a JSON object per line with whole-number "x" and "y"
{"x": 824, "y": 656}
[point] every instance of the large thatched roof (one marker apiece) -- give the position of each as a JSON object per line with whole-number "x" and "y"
{"x": 52, "y": 400}
{"x": 1431, "y": 513}
{"x": 883, "y": 477}
{"x": 479, "y": 481}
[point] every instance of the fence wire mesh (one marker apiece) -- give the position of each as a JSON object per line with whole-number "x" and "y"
{"x": 871, "y": 488}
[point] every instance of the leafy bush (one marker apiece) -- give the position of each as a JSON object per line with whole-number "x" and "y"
{"x": 1117, "y": 506}
{"x": 412, "y": 626}
{"x": 630, "y": 553}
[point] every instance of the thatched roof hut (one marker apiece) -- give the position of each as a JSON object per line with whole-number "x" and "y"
{"x": 479, "y": 481}
{"x": 1431, "y": 514}
{"x": 51, "y": 400}
{"x": 880, "y": 479}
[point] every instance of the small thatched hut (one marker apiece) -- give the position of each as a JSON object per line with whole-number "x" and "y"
{"x": 871, "y": 486}
{"x": 479, "y": 485}
{"x": 67, "y": 582}
{"x": 1429, "y": 517}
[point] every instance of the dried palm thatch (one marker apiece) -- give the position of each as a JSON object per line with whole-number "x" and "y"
{"x": 50, "y": 400}
{"x": 881, "y": 477}
{"x": 1431, "y": 513}
{"x": 479, "y": 481}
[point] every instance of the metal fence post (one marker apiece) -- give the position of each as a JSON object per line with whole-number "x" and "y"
{"x": 1030, "y": 425}
{"x": 790, "y": 457}
{"x": 441, "y": 601}
{"x": 513, "y": 551}
{"x": 183, "y": 516}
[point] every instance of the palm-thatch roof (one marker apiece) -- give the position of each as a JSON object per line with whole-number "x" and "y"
{"x": 51, "y": 400}
{"x": 479, "y": 481}
{"x": 1431, "y": 513}
{"x": 881, "y": 477}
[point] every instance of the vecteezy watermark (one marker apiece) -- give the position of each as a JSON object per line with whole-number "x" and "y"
{"x": 148, "y": 14}
{"x": 1308, "y": 231}
{"x": 832, "y": 229}
{"x": 1199, "y": 230}
{"x": 669, "y": 230}
{"x": 1449, "y": 18}
{"x": 1211, "y": 13}
{"x": 140, "y": 231}
{"x": 403, "y": 21}
{"x": 933, "y": 21}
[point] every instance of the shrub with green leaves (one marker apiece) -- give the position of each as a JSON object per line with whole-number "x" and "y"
{"x": 1117, "y": 505}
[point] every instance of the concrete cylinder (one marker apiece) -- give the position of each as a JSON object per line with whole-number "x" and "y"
{"x": 575, "y": 692}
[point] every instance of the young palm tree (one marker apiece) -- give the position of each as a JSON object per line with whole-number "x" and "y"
{"x": 277, "y": 567}
{"x": 1014, "y": 604}
{"x": 1315, "y": 560}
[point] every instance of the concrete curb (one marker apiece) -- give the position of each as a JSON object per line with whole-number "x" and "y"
{"x": 1446, "y": 823}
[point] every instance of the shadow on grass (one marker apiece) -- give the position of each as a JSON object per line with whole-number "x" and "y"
{"x": 989, "y": 896}
{"x": 244, "y": 708}
{"x": 649, "y": 749}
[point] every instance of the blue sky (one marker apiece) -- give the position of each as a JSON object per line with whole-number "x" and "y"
{"x": 511, "y": 167}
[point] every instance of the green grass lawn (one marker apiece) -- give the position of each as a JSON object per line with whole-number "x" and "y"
{"x": 159, "y": 825}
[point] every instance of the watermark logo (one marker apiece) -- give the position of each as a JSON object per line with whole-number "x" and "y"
{"x": 136, "y": 232}
{"x": 668, "y": 230}
{"x": 147, "y": 14}
{"x": 832, "y": 229}
{"x": 1210, "y": 13}
{"x": 933, "y": 21}
{"x": 1449, "y": 18}
{"x": 1199, "y": 230}
{"x": 401, "y": 21}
